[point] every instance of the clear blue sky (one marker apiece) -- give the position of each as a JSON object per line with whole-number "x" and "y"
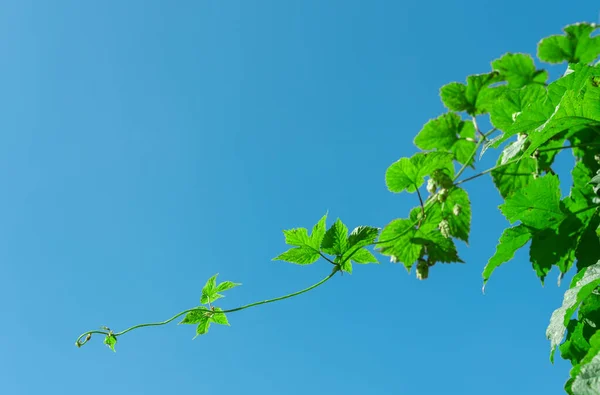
{"x": 147, "y": 145}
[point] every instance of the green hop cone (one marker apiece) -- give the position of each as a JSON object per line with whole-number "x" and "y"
{"x": 422, "y": 269}
{"x": 441, "y": 178}
{"x": 444, "y": 227}
{"x": 456, "y": 210}
{"x": 442, "y": 195}
{"x": 431, "y": 186}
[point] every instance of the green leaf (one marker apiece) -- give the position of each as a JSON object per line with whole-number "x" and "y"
{"x": 588, "y": 243}
{"x": 535, "y": 115}
{"x": 219, "y": 318}
{"x": 195, "y": 316}
{"x": 510, "y": 241}
{"x": 575, "y": 79}
{"x": 586, "y": 375}
{"x": 202, "y": 327}
{"x": 460, "y": 224}
{"x": 576, "y": 345}
{"x": 300, "y": 255}
{"x": 362, "y": 236}
{"x": 363, "y": 256}
{"x": 459, "y": 221}
{"x": 110, "y": 340}
{"x": 307, "y": 247}
{"x": 555, "y": 247}
{"x": 297, "y": 237}
{"x": 345, "y": 265}
{"x": 574, "y": 47}
{"x": 438, "y": 247}
{"x": 512, "y": 102}
{"x": 396, "y": 240}
{"x": 519, "y": 70}
{"x": 448, "y": 133}
{"x": 358, "y": 239}
{"x": 475, "y": 97}
{"x": 318, "y": 232}
{"x": 226, "y": 285}
{"x": 587, "y": 382}
{"x": 335, "y": 240}
{"x": 537, "y": 205}
{"x": 514, "y": 176}
{"x": 584, "y": 286}
{"x": 209, "y": 291}
{"x": 576, "y": 110}
{"x": 408, "y": 173}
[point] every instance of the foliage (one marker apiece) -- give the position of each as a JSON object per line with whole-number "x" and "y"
{"x": 532, "y": 121}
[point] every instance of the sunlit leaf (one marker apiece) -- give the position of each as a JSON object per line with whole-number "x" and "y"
{"x": 510, "y": 241}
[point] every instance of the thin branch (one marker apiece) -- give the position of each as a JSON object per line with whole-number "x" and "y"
{"x": 464, "y": 167}
{"x": 421, "y": 203}
{"x": 80, "y": 342}
{"x": 486, "y": 171}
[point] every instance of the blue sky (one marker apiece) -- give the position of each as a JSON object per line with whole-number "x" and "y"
{"x": 148, "y": 145}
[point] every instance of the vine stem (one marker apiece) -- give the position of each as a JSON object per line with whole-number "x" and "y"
{"x": 421, "y": 202}
{"x": 487, "y": 171}
{"x": 568, "y": 146}
{"x": 117, "y": 334}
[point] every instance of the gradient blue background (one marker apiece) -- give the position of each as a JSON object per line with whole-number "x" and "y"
{"x": 147, "y": 145}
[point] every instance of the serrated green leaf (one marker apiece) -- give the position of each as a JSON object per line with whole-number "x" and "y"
{"x": 574, "y": 47}
{"x": 587, "y": 250}
{"x": 318, "y": 232}
{"x": 408, "y": 173}
{"x": 576, "y": 110}
{"x": 475, "y": 97}
{"x": 454, "y": 96}
{"x": 195, "y": 316}
{"x": 519, "y": 70}
{"x": 448, "y": 133}
{"x": 438, "y": 247}
{"x": 460, "y": 224}
{"x": 202, "y": 327}
{"x": 537, "y": 205}
{"x": 396, "y": 240}
{"x": 219, "y": 318}
{"x": 209, "y": 292}
{"x": 346, "y": 266}
{"x": 514, "y": 176}
{"x": 576, "y": 345}
{"x": 335, "y": 241}
{"x": 587, "y": 382}
{"x": 226, "y": 285}
{"x": 299, "y": 255}
{"x": 110, "y": 341}
{"x": 512, "y": 102}
{"x": 210, "y": 285}
{"x": 555, "y": 247}
{"x": 585, "y": 375}
{"x": 307, "y": 247}
{"x": 362, "y": 236}
{"x": 586, "y": 284}
{"x": 363, "y": 256}
{"x": 578, "y": 77}
{"x": 536, "y": 114}
{"x": 510, "y": 241}
{"x": 296, "y": 237}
